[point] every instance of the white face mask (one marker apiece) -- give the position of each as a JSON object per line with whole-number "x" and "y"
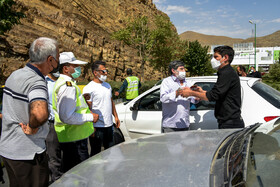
{"x": 102, "y": 78}
{"x": 215, "y": 63}
{"x": 181, "y": 75}
{"x": 56, "y": 74}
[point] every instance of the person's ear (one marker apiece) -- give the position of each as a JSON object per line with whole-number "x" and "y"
{"x": 226, "y": 58}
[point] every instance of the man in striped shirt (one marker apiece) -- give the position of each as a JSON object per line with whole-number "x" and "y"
{"x": 25, "y": 114}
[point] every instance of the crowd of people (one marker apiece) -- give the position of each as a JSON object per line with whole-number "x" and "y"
{"x": 48, "y": 121}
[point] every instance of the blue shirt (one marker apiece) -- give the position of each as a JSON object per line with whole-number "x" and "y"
{"x": 175, "y": 111}
{"x": 51, "y": 84}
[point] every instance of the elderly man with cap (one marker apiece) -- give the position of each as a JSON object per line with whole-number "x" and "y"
{"x": 73, "y": 118}
{"x": 131, "y": 84}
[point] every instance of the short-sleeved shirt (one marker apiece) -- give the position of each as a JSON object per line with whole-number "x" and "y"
{"x": 227, "y": 94}
{"x": 100, "y": 96}
{"x": 23, "y": 87}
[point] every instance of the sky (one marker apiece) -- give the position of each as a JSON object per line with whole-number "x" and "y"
{"x": 223, "y": 17}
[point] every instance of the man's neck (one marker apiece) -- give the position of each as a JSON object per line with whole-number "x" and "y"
{"x": 52, "y": 77}
{"x": 95, "y": 79}
{"x": 223, "y": 65}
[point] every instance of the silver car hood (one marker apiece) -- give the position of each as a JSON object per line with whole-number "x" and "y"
{"x": 172, "y": 159}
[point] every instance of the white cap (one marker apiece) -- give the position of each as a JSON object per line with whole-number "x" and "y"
{"x": 68, "y": 57}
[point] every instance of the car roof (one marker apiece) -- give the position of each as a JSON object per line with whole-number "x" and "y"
{"x": 172, "y": 159}
{"x": 249, "y": 80}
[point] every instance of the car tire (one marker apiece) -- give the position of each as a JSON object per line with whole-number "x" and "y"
{"x": 117, "y": 136}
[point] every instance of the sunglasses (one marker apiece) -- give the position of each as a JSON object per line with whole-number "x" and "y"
{"x": 103, "y": 71}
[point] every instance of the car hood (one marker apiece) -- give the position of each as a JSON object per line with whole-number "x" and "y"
{"x": 172, "y": 159}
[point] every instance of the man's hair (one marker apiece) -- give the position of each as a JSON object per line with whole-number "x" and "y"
{"x": 242, "y": 68}
{"x": 225, "y": 50}
{"x": 41, "y": 49}
{"x": 129, "y": 71}
{"x": 96, "y": 64}
{"x": 174, "y": 65}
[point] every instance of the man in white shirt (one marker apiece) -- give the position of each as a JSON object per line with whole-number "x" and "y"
{"x": 101, "y": 102}
{"x": 73, "y": 119}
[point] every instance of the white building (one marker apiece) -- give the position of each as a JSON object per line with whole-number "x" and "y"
{"x": 245, "y": 55}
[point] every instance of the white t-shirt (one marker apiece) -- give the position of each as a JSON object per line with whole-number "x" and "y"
{"x": 100, "y": 96}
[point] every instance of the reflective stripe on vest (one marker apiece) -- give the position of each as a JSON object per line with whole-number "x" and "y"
{"x": 132, "y": 87}
{"x": 66, "y": 132}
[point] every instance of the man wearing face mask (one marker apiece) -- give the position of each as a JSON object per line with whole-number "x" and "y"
{"x": 175, "y": 108}
{"x": 73, "y": 119}
{"x": 101, "y": 102}
{"x": 226, "y": 91}
{"x": 52, "y": 143}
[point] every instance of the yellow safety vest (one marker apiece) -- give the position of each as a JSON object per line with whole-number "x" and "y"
{"x": 132, "y": 87}
{"x": 71, "y": 132}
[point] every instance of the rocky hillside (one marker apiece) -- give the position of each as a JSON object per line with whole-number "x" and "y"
{"x": 271, "y": 40}
{"x": 81, "y": 26}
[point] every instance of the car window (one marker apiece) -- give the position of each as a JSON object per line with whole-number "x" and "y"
{"x": 269, "y": 94}
{"x": 204, "y": 105}
{"x": 151, "y": 102}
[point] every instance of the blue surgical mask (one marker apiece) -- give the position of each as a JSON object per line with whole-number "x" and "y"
{"x": 77, "y": 73}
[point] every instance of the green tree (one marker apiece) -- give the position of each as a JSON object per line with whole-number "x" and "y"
{"x": 8, "y": 16}
{"x": 274, "y": 71}
{"x": 137, "y": 35}
{"x": 197, "y": 59}
{"x": 167, "y": 45}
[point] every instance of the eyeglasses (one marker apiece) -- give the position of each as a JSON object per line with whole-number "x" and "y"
{"x": 103, "y": 71}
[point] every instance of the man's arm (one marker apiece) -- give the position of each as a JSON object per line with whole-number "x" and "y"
{"x": 38, "y": 113}
{"x": 122, "y": 88}
{"x": 186, "y": 92}
{"x": 114, "y": 112}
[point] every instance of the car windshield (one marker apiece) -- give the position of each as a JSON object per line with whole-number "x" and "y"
{"x": 248, "y": 158}
{"x": 264, "y": 158}
{"x": 269, "y": 94}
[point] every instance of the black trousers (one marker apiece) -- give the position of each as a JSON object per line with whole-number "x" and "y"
{"x": 231, "y": 124}
{"x": 27, "y": 173}
{"x": 73, "y": 153}
{"x": 102, "y": 136}
{"x": 54, "y": 153}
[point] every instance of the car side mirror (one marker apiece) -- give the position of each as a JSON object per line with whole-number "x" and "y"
{"x": 135, "y": 106}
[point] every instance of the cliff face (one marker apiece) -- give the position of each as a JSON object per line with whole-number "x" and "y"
{"x": 81, "y": 26}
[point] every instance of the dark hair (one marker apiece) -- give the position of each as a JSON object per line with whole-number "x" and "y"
{"x": 96, "y": 64}
{"x": 61, "y": 67}
{"x": 129, "y": 71}
{"x": 225, "y": 50}
{"x": 242, "y": 68}
{"x": 174, "y": 65}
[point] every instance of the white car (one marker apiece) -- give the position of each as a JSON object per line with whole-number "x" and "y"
{"x": 143, "y": 115}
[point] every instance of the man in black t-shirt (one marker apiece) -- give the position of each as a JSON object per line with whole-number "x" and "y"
{"x": 254, "y": 73}
{"x": 226, "y": 91}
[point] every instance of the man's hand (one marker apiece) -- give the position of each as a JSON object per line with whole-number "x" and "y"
{"x": 117, "y": 94}
{"x": 93, "y": 134}
{"x": 199, "y": 89}
{"x": 28, "y": 130}
{"x": 87, "y": 96}
{"x": 118, "y": 123}
{"x": 95, "y": 117}
{"x": 186, "y": 92}
{"x": 179, "y": 92}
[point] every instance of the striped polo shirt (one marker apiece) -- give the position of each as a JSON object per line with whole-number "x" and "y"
{"x": 22, "y": 88}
